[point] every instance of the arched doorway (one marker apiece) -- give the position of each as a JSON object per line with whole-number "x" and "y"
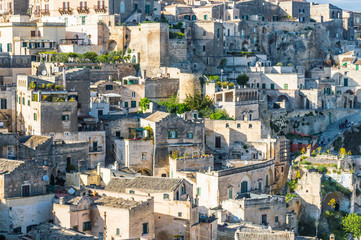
{"x": 112, "y": 45}
{"x": 145, "y": 172}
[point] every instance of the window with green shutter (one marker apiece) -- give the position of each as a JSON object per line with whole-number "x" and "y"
{"x": 285, "y": 86}
{"x": 117, "y": 232}
{"x": 35, "y": 117}
{"x": 9, "y": 47}
{"x": 230, "y": 193}
{"x": 133, "y": 104}
{"x": 172, "y": 134}
{"x": 125, "y": 104}
{"x": 3, "y": 103}
{"x": 272, "y": 86}
{"x": 23, "y": 101}
{"x": 345, "y": 82}
{"x": 263, "y": 86}
{"x": 198, "y": 191}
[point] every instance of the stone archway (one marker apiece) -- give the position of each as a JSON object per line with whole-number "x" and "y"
{"x": 145, "y": 172}
{"x": 342, "y": 203}
{"x": 112, "y": 46}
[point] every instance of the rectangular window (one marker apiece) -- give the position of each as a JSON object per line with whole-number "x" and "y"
{"x": 23, "y": 100}
{"x": 230, "y": 193}
{"x": 218, "y": 142}
{"x": 3, "y": 103}
{"x": 83, "y": 20}
{"x": 87, "y": 226}
{"x": 272, "y": 86}
{"x": 204, "y": 48}
{"x": 144, "y": 156}
{"x": 117, "y": 232}
{"x": 276, "y": 219}
{"x": 166, "y": 196}
{"x": 145, "y": 228}
{"x": 65, "y": 117}
{"x": 172, "y": 134}
{"x": 285, "y": 86}
{"x": 35, "y": 117}
{"x": 126, "y": 104}
{"x": 25, "y": 44}
{"x": 263, "y": 86}
{"x": 25, "y": 190}
{"x": 179, "y": 214}
{"x": 345, "y": 82}
{"x": 133, "y": 104}
{"x": 190, "y": 135}
{"x": 131, "y": 191}
{"x": 198, "y": 191}
{"x": 9, "y": 47}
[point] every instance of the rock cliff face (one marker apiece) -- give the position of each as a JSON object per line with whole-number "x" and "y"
{"x": 305, "y": 47}
{"x": 293, "y": 43}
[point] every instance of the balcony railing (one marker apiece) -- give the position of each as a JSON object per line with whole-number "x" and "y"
{"x": 83, "y": 10}
{"x": 100, "y": 9}
{"x": 65, "y": 11}
{"x": 45, "y": 12}
{"x": 96, "y": 149}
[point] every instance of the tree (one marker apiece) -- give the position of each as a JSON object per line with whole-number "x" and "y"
{"x": 92, "y": 56}
{"x": 196, "y": 102}
{"x": 220, "y": 114}
{"x": 342, "y": 151}
{"x": 352, "y": 224}
{"x": 242, "y": 79}
{"x": 144, "y": 104}
{"x": 32, "y": 85}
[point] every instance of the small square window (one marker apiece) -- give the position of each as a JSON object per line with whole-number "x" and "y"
{"x": 250, "y": 126}
{"x": 179, "y": 214}
{"x": 131, "y": 191}
{"x": 65, "y": 117}
{"x": 166, "y": 196}
{"x": 238, "y": 125}
{"x": 190, "y": 135}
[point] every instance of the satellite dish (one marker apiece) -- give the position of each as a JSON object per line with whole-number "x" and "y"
{"x": 43, "y": 72}
{"x": 1, "y": 124}
{"x": 45, "y": 178}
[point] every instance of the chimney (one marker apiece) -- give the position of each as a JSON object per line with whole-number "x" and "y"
{"x": 98, "y": 169}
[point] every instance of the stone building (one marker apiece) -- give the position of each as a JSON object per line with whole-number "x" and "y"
{"x": 263, "y": 209}
{"x": 172, "y": 135}
{"x": 299, "y": 10}
{"x": 173, "y": 199}
{"x": 325, "y": 12}
{"x": 258, "y": 10}
{"x": 24, "y": 199}
{"x": 13, "y": 7}
{"x": 217, "y": 186}
{"x": 239, "y": 103}
{"x": 22, "y": 33}
{"x": 34, "y": 106}
{"x": 100, "y": 216}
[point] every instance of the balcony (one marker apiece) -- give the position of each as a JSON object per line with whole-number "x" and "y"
{"x": 45, "y": 12}
{"x": 100, "y": 9}
{"x": 97, "y": 149}
{"x": 63, "y": 11}
{"x": 83, "y": 10}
